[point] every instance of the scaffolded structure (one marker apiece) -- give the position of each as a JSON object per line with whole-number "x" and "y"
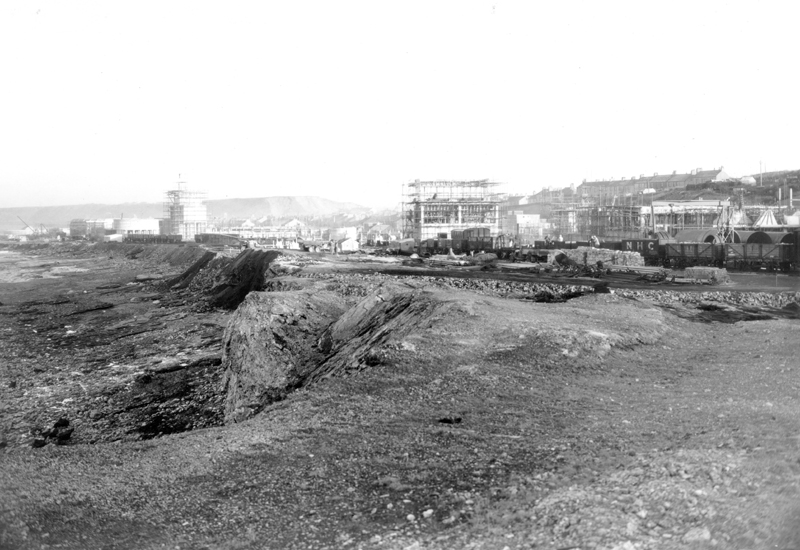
{"x": 619, "y": 221}
{"x": 564, "y": 217}
{"x": 635, "y": 217}
{"x": 433, "y": 209}
{"x": 185, "y": 213}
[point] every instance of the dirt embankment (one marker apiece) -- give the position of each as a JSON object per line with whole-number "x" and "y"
{"x": 368, "y": 410}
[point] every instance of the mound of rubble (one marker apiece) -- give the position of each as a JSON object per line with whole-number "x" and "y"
{"x": 716, "y": 276}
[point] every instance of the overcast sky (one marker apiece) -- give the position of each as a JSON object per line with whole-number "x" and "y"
{"x": 111, "y": 101}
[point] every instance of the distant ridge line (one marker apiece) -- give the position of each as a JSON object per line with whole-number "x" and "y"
{"x": 237, "y": 208}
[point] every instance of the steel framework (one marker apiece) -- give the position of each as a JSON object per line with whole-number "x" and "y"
{"x": 433, "y": 209}
{"x": 184, "y": 211}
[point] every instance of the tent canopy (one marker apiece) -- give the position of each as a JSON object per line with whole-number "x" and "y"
{"x": 766, "y": 219}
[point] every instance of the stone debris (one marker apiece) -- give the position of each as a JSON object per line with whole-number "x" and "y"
{"x": 717, "y": 276}
{"x": 697, "y": 534}
{"x": 776, "y": 300}
{"x": 585, "y": 255}
{"x": 59, "y": 434}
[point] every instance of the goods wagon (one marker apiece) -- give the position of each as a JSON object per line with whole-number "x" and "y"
{"x": 681, "y": 255}
{"x": 759, "y": 255}
{"x": 648, "y": 248}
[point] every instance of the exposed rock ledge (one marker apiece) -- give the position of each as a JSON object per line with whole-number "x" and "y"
{"x": 277, "y": 342}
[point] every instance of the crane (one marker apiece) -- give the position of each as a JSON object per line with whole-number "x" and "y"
{"x": 26, "y": 224}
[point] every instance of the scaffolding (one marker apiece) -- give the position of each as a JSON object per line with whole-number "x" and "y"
{"x": 433, "y": 209}
{"x": 185, "y": 213}
{"x": 631, "y": 221}
{"x": 564, "y": 218}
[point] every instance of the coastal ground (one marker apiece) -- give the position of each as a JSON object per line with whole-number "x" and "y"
{"x": 650, "y": 417}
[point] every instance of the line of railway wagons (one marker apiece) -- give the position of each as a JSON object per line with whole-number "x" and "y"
{"x": 219, "y": 239}
{"x": 145, "y": 238}
{"x": 760, "y": 250}
{"x": 738, "y": 256}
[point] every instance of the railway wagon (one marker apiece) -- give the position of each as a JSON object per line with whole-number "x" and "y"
{"x": 645, "y": 247}
{"x": 756, "y": 256}
{"x": 463, "y": 245}
{"x": 429, "y": 247}
{"x": 681, "y": 255}
{"x": 650, "y": 250}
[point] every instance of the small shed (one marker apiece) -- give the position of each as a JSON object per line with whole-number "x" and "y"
{"x": 403, "y": 246}
{"x": 348, "y": 245}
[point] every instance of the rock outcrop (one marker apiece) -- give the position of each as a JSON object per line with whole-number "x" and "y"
{"x": 223, "y": 281}
{"x": 184, "y": 279}
{"x": 272, "y": 343}
{"x": 390, "y": 313}
{"x": 277, "y": 342}
{"x": 244, "y": 275}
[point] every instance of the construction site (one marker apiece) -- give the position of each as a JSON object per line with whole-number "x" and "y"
{"x": 185, "y": 212}
{"x": 575, "y": 220}
{"x": 628, "y": 209}
{"x": 434, "y": 209}
{"x": 664, "y": 218}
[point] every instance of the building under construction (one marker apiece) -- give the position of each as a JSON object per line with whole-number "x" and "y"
{"x": 185, "y": 213}
{"x": 634, "y": 221}
{"x": 433, "y": 209}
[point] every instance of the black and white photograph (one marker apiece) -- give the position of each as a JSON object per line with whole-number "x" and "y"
{"x": 374, "y": 275}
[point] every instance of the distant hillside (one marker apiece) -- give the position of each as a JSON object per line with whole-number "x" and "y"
{"x": 273, "y": 207}
{"x": 753, "y": 194}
